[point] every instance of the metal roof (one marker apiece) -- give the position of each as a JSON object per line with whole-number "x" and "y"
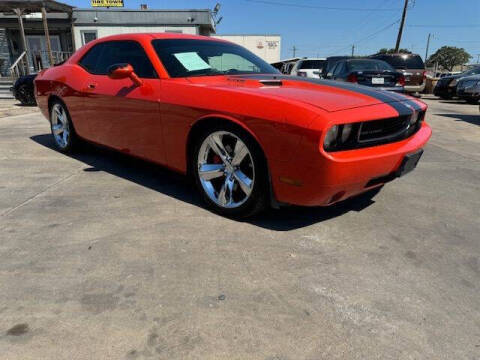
{"x": 126, "y": 17}
{"x": 29, "y": 6}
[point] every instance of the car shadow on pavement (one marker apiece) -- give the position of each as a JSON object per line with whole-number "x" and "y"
{"x": 159, "y": 178}
{"x": 472, "y": 119}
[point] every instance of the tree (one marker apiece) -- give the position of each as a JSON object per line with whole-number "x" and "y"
{"x": 448, "y": 57}
{"x": 392, "y": 51}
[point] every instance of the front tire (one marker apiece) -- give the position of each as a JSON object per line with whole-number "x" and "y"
{"x": 230, "y": 171}
{"x": 63, "y": 133}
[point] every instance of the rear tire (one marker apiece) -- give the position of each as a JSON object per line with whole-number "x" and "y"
{"x": 230, "y": 171}
{"x": 63, "y": 133}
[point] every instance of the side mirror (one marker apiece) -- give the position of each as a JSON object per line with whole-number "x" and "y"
{"x": 123, "y": 71}
{"x": 329, "y": 75}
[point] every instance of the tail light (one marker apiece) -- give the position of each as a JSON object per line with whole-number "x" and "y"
{"x": 401, "y": 80}
{"x": 424, "y": 76}
{"x": 352, "y": 78}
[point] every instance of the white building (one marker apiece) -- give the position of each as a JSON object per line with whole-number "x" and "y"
{"x": 90, "y": 24}
{"x": 265, "y": 46}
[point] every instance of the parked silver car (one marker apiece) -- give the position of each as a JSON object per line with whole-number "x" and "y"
{"x": 468, "y": 88}
{"x": 311, "y": 68}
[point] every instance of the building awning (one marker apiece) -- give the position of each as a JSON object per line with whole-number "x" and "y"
{"x": 31, "y": 6}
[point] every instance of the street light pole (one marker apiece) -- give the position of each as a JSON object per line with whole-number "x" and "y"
{"x": 402, "y": 22}
{"x": 428, "y": 44}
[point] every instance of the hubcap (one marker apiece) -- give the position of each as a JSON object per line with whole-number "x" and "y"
{"x": 226, "y": 169}
{"x": 60, "y": 128}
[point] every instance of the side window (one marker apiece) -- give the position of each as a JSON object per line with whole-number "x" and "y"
{"x": 102, "y": 56}
{"x": 337, "y": 68}
{"x": 89, "y": 60}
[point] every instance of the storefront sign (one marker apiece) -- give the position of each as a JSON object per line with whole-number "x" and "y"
{"x": 107, "y": 3}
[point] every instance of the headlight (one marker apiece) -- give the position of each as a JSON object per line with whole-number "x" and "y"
{"x": 414, "y": 118}
{"x": 331, "y": 137}
{"x": 453, "y": 82}
{"x": 339, "y": 135}
{"x": 346, "y": 131}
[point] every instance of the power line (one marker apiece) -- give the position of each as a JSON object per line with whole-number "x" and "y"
{"x": 277, "y": 3}
{"x": 445, "y": 26}
{"x": 367, "y": 37}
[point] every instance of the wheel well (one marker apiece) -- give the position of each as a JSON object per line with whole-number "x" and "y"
{"x": 51, "y": 100}
{"x": 207, "y": 123}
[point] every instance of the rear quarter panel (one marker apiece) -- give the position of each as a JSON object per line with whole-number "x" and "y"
{"x": 62, "y": 81}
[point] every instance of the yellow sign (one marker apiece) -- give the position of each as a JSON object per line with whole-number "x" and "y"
{"x": 107, "y": 3}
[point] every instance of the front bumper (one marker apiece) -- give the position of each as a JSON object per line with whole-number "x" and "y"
{"x": 468, "y": 93}
{"x": 414, "y": 88}
{"x": 337, "y": 176}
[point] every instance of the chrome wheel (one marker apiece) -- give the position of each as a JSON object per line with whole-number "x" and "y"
{"x": 226, "y": 170}
{"x": 60, "y": 126}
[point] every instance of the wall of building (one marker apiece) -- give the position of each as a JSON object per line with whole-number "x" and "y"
{"x": 265, "y": 46}
{"x": 105, "y": 30}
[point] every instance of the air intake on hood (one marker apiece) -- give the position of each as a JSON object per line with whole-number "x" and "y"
{"x": 271, "y": 82}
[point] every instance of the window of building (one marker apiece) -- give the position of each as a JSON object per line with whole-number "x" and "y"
{"x": 88, "y": 35}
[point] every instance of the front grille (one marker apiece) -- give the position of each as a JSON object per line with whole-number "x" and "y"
{"x": 377, "y": 132}
{"x": 380, "y": 129}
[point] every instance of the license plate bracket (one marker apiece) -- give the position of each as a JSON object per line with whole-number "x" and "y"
{"x": 409, "y": 163}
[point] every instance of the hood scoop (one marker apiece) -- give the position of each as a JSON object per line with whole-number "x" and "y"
{"x": 271, "y": 82}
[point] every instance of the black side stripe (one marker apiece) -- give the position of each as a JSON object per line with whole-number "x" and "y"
{"x": 403, "y": 105}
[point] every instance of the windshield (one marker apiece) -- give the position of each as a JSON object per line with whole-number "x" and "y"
{"x": 473, "y": 71}
{"x": 313, "y": 64}
{"x": 365, "y": 65}
{"x": 190, "y": 57}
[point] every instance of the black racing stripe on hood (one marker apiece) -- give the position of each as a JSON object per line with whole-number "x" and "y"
{"x": 396, "y": 101}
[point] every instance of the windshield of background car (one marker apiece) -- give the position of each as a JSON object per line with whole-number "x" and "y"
{"x": 313, "y": 64}
{"x": 474, "y": 71}
{"x": 366, "y": 65}
{"x": 405, "y": 61}
{"x": 189, "y": 57}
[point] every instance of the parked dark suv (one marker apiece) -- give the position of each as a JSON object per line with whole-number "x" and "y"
{"x": 412, "y": 67}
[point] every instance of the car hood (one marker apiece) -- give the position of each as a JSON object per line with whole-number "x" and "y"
{"x": 325, "y": 94}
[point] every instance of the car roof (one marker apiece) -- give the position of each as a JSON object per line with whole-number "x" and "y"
{"x": 307, "y": 59}
{"x": 395, "y": 54}
{"x": 154, "y": 36}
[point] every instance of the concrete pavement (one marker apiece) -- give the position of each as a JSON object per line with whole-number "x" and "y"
{"x": 105, "y": 257}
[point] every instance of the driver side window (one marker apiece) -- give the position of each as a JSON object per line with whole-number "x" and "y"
{"x": 103, "y": 55}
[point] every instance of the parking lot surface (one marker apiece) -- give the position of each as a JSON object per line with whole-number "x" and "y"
{"x": 105, "y": 257}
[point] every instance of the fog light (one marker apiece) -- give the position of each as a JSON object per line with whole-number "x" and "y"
{"x": 331, "y": 136}
{"x": 346, "y": 131}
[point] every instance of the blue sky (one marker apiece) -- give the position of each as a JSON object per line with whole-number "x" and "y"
{"x": 317, "y": 31}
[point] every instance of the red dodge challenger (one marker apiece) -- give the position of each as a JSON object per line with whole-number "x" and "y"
{"x": 249, "y": 136}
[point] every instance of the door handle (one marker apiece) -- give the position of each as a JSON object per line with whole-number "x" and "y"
{"x": 92, "y": 86}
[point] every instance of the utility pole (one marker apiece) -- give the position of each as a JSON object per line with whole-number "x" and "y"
{"x": 478, "y": 58}
{"x": 294, "y": 49}
{"x": 353, "y": 49}
{"x": 402, "y": 22}
{"x": 428, "y": 44}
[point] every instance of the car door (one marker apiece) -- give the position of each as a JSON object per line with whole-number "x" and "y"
{"x": 117, "y": 113}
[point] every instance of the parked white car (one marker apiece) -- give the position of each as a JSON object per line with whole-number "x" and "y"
{"x": 311, "y": 68}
